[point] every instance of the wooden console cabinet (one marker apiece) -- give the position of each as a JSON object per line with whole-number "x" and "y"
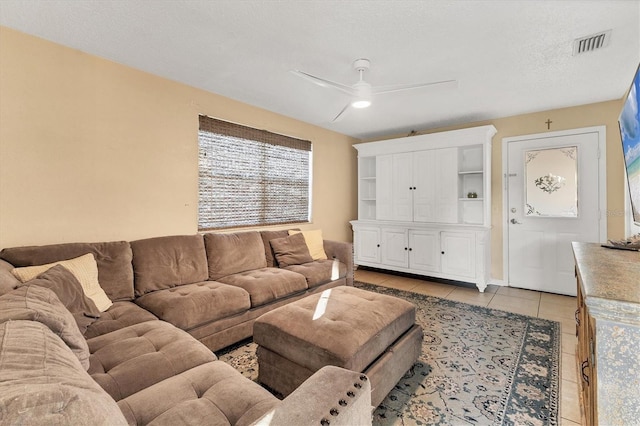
{"x": 608, "y": 329}
{"x": 424, "y": 205}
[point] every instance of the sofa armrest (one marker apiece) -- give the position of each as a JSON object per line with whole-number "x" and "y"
{"x": 343, "y": 252}
{"x": 333, "y": 396}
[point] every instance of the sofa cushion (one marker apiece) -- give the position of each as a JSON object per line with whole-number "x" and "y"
{"x": 320, "y": 272}
{"x": 192, "y": 305}
{"x": 69, "y": 290}
{"x": 115, "y": 272}
{"x": 118, "y": 316}
{"x": 267, "y": 284}
{"x": 233, "y": 253}
{"x": 210, "y": 394}
{"x": 165, "y": 262}
{"x": 291, "y": 250}
{"x": 128, "y": 360}
{"x": 84, "y": 268}
{"x": 314, "y": 241}
{"x": 42, "y": 305}
{"x": 42, "y": 382}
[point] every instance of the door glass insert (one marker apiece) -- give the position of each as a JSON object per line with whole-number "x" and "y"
{"x": 551, "y": 182}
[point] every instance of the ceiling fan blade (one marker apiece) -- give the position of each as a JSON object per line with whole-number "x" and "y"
{"x": 339, "y": 116}
{"x": 324, "y": 82}
{"x": 452, "y": 84}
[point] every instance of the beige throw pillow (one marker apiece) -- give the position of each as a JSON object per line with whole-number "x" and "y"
{"x": 84, "y": 268}
{"x": 314, "y": 242}
{"x": 69, "y": 290}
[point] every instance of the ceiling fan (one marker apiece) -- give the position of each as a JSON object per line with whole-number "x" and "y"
{"x": 362, "y": 92}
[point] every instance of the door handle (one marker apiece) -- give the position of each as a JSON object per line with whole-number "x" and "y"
{"x": 515, "y": 222}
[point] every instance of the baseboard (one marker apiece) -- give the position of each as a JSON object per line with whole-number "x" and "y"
{"x": 492, "y": 281}
{"x": 418, "y": 277}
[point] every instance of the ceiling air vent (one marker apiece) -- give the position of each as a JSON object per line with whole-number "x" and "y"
{"x": 591, "y": 43}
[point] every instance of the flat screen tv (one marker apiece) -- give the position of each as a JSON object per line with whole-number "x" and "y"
{"x": 629, "y": 122}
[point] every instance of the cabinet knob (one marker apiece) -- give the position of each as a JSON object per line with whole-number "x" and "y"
{"x": 377, "y": 245}
{"x": 442, "y": 252}
{"x": 410, "y": 249}
{"x": 406, "y": 248}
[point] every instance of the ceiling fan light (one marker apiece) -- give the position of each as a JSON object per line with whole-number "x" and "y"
{"x": 361, "y": 103}
{"x": 362, "y": 98}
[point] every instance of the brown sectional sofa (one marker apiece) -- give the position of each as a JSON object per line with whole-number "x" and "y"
{"x": 176, "y": 299}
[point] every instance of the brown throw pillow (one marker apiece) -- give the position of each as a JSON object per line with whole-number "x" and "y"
{"x": 69, "y": 290}
{"x": 291, "y": 250}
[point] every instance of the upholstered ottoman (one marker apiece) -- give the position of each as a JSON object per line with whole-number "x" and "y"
{"x": 345, "y": 326}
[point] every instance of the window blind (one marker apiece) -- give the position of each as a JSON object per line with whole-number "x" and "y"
{"x": 251, "y": 177}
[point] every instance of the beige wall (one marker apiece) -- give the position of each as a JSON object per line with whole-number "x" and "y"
{"x": 604, "y": 113}
{"x": 91, "y": 150}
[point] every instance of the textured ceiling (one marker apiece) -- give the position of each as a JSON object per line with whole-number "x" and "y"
{"x": 509, "y": 57}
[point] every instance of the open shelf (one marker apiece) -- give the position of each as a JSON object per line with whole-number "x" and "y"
{"x": 470, "y": 159}
{"x": 471, "y": 179}
{"x": 367, "y": 187}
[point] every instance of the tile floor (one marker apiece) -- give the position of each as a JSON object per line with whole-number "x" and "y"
{"x": 533, "y": 303}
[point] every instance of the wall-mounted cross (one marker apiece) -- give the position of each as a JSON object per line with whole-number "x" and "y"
{"x": 548, "y": 123}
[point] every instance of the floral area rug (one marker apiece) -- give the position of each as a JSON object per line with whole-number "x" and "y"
{"x": 478, "y": 366}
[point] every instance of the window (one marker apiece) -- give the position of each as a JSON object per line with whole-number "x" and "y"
{"x": 551, "y": 182}
{"x": 250, "y": 177}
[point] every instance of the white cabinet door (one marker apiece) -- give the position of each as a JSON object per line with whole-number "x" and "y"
{"x": 424, "y": 196}
{"x": 395, "y": 247}
{"x": 435, "y": 179}
{"x": 424, "y": 250}
{"x": 402, "y": 182}
{"x": 458, "y": 253}
{"x": 446, "y": 166}
{"x": 366, "y": 244}
{"x": 419, "y": 186}
{"x": 384, "y": 187}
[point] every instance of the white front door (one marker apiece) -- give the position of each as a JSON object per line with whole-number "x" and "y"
{"x": 554, "y": 194}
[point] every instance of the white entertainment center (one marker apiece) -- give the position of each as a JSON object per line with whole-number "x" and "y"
{"x": 424, "y": 205}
